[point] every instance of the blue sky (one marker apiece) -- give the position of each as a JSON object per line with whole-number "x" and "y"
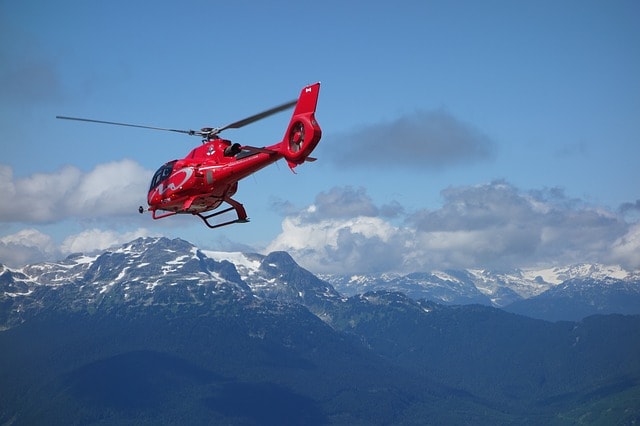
{"x": 455, "y": 133}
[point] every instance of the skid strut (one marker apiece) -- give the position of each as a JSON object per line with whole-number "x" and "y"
{"x": 239, "y": 208}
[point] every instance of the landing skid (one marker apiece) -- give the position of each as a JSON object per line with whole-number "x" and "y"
{"x": 239, "y": 208}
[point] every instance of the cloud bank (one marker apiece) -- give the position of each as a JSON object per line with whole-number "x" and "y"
{"x": 27, "y": 246}
{"x": 110, "y": 189}
{"x": 32, "y": 246}
{"x": 493, "y": 225}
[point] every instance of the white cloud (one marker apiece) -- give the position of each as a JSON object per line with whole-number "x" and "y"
{"x": 26, "y": 246}
{"x": 490, "y": 226}
{"x": 115, "y": 188}
{"x": 32, "y": 246}
{"x": 355, "y": 244}
{"x": 626, "y": 249}
{"x": 97, "y": 239}
{"x": 298, "y": 234}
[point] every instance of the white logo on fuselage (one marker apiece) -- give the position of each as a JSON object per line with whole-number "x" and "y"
{"x": 161, "y": 189}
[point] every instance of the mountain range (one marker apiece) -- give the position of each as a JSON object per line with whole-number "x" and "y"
{"x": 559, "y": 293}
{"x": 158, "y": 331}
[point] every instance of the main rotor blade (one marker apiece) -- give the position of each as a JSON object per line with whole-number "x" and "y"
{"x": 256, "y": 117}
{"x": 188, "y": 132}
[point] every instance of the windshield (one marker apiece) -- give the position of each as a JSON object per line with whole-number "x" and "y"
{"x": 162, "y": 174}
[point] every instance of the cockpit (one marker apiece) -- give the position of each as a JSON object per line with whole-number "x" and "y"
{"x": 162, "y": 174}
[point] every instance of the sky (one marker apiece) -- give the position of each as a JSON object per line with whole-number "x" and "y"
{"x": 456, "y": 134}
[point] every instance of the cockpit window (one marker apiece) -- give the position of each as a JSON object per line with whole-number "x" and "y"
{"x": 162, "y": 174}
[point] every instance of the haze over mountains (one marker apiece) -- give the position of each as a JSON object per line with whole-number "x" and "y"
{"x": 157, "y": 331}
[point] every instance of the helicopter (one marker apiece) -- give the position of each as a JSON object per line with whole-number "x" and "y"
{"x": 200, "y": 183}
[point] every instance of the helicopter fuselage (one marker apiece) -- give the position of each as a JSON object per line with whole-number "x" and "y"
{"x": 208, "y": 176}
{"x": 204, "y": 179}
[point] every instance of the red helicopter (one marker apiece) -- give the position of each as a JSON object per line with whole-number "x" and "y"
{"x": 208, "y": 176}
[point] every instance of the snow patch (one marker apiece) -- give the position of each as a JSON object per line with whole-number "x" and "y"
{"x": 122, "y": 273}
{"x": 237, "y": 258}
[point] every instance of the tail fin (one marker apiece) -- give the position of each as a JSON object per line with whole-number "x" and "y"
{"x": 303, "y": 133}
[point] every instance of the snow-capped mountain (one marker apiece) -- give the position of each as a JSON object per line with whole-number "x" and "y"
{"x": 277, "y": 276}
{"x": 156, "y": 271}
